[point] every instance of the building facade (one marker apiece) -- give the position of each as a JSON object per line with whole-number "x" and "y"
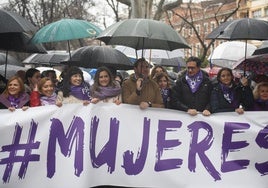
{"x": 195, "y": 21}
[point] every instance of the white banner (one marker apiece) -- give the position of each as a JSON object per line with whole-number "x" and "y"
{"x": 105, "y": 144}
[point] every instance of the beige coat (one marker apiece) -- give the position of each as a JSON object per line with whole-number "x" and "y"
{"x": 150, "y": 93}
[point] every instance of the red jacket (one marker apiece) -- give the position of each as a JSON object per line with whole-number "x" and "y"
{"x": 35, "y": 99}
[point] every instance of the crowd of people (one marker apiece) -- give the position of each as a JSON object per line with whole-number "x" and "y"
{"x": 192, "y": 92}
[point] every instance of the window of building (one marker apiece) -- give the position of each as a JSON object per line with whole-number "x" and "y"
{"x": 212, "y": 26}
{"x": 190, "y": 31}
{"x": 197, "y": 50}
{"x": 198, "y": 28}
{"x": 183, "y": 32}
{"x": 205, "y": 27}
{"x": 256, "y": 13}
{"x": 266, "y": 11}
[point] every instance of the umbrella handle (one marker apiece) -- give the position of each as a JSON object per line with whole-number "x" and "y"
{"x": 68, "y": 43}
{"x": 245, "y": 58}
{"x": 6, "y": 64}
{"x": 210, "y": 63}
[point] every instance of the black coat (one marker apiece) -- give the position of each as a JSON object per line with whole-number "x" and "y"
{"x": 183, "y": 99}
{"x": 242, "y": 96}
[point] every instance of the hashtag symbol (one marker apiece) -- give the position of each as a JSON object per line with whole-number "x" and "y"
{"x": 15, "y": 147}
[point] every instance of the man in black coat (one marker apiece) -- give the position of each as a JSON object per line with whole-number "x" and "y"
{"x": 192, "y": 90}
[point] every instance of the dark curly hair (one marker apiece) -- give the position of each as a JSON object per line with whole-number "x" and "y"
{"x": 66, "y": 86}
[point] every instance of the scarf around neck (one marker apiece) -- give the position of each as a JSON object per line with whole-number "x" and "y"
{"x": 11, "y": 101}
{"x": 14, "y": 102}
{"x": 45, "y": 100}
{"x": 81, "y": 92}
{"x": 165, "y": 94}
{"x": 227, "y": 92}
{"x": 195, "y": 81}
{"x": 107, "y": 92}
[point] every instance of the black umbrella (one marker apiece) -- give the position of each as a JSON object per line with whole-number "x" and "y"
{"x": 49, "y": 59}
{"x": 143, "y": 34}
{"x": 12, "y": 22}
{"x": 241, "y": 29}
{"x": 263, "y": 49}
{"x": 96, "y": 56}
{"x": 19, "y": 42}
{"x": 13, "y": 35}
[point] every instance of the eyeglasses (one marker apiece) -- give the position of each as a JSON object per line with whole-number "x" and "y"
{"x": 191, "y": 68}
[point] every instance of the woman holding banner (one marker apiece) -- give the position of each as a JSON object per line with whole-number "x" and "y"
{"x": 44, "y": 93}
{"x": 226, "y": 96}
{"x": 14, "y": 96}
{"x": 74, "y": 89}
{"x": 105, "y": 88}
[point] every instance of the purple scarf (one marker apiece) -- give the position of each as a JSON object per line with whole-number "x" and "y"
{"x": 260, "y": 105}
{"x": 11, "y": 101}
{"x": 165, "y": 94}
{"x": 227, "y": 92}
{"x": 45, "y": 100}
{"x": 195, "y": 81}
{"x": 81, "y": 92}
{"x": 14, "y": 102}
{"x": 107, "y": 92}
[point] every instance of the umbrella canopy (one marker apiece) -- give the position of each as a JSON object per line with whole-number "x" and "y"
{"x": 66, "y": 29}
{"x": 150, "y": 53}
{"x": 12, "y": 22}
{"x": 50, "y": 59}
{"x": 10, "y": 70}
{"x": 11, "y": 60}
{"x": 96, "y": 56}
{"x": 263, "y": 49}
{"x": 19, "y": 42}
{"x": 256, "y": 63}
{"x": 241, "y": 29}
{"x": 172, "y": 62}
{"x": 143, "y": 34}
{"x": 227, "y": 53}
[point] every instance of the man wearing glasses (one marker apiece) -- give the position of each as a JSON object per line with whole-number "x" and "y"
{"x": 192, "y": 90}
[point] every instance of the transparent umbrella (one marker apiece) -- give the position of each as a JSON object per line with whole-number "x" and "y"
{"x": 11, "y": 60}
{"x": 10, "y": 70}
{"x": 227, "y": 53}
